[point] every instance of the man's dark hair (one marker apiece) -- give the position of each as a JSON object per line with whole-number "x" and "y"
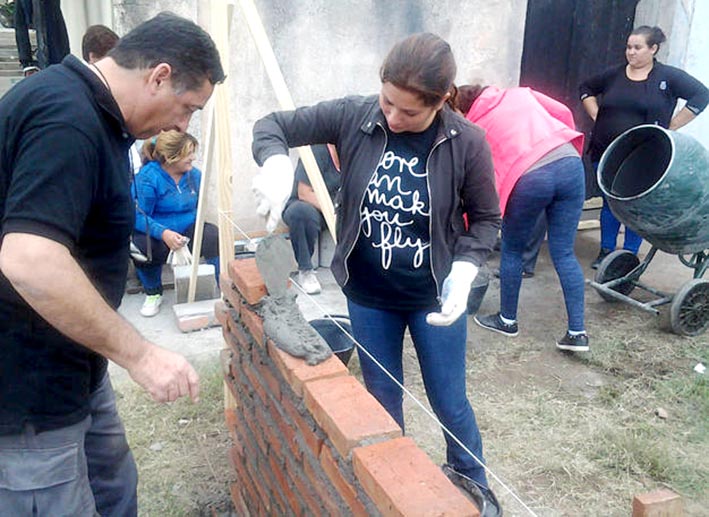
{"x": 179, "y": 42}
{"x": 98, "y": 39}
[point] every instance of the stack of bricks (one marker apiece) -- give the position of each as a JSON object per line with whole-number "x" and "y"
{"x": 310, "y": 440}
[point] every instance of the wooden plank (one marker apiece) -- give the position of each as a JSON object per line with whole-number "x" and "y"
{"x": 201, "y": 206}
{"x": 286, "y": 102}
{"x": 221, "y": 22}
{"x": 590, "y": 224}
{"x": 593, "y": 203}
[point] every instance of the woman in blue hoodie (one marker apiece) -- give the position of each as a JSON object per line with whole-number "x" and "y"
{"x": 166, "y": 194}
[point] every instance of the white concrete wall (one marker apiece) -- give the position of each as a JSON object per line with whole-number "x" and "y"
{"x": 329, "y": 49}
{"x": 80, "y": 14}
{"x": 686, "y": 24}
{"x": 697, "y": 64}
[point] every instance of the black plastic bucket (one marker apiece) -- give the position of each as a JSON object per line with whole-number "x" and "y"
{"x": 339, "y": 342}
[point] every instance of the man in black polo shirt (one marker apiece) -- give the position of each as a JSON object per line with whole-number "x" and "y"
{"x": 66, "y": 222}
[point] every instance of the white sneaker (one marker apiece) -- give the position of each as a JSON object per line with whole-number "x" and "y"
{"x": 151, "y": 305}
{"x": 309, "y": 282}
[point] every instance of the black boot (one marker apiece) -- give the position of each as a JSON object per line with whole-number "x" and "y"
{"x": 601, "y": 255}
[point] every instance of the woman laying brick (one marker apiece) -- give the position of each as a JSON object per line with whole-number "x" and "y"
{"x": 411, "y": 167}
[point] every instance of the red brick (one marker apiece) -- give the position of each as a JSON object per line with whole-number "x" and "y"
{"x": 297, "y": 476}
{"x": 244, "y": 481}
{"x": 297, "y": 372}
{"x": 238, "y": 500}
{"x": 345, "y": 489}
{"x": 402, "y": 480}
{"x": 255, "y": 383}
{"x": 246, "y": 445}
{"x": 258, "y": 435}
{"x": 279, "y": 490}
{"x": 262, "y": 487}
{"x": 264, "y": 369}
{"x": 320, "y": 488}
{"x": 289, "y": 437}
{"x": 230, "y": 293}
{"x": 274, "y": 436}
{"x": 269, "y": 431}
{"x": 659, "y": 503}
{"x": 248, "y": 280}
{"x": 231, "y": 425}
{"x": 241, "y": 334}
{"x": 279, "y": 473}
{"x": 192, "y": 323}
{"x": 306, "y": 430}
{"x": 254, "y": 324}
{"x": 348, "y": 414}
{"x": 233, "y": 343}
{"x": 221, "y": 312}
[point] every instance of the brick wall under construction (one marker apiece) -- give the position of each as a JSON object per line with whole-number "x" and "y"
{"x": 310, "y": 440}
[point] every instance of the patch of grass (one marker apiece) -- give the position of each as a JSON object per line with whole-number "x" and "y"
{"x": 181, "y": 449}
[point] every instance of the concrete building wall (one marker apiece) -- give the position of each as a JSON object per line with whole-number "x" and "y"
{"x": 686, "y": 25}
{"x": 697, "y": 64}
{"x": 80, "y": 14}
{"x": 329, "y": 49}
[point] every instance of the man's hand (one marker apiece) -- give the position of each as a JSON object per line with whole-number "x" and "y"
{"x": 454, "y": 296}
{"x": 49, "y": 279}
{"x": 173, "y": 240}
{"x": 272, "y": 187}
{"x": 166, "y": 375}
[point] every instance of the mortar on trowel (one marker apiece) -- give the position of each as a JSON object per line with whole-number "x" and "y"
{"x": 282, "y": 319}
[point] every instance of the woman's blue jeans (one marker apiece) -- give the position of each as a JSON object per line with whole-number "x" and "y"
{"x": 610, "y": 226}
{"x": 558, "y": 189}
{"x": 441, "y": 356}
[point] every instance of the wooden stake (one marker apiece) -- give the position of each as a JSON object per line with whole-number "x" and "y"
{"x": 286, "y": 102}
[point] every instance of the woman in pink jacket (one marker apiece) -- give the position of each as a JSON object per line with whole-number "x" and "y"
{"x": 536, "y": 151}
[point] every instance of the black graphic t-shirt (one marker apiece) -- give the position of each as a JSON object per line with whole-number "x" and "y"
{"x": 390, "y": 266}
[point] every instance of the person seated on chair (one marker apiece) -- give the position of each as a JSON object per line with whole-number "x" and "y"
{"x": 303, "y": 215}
{"x": 166, "y": 191}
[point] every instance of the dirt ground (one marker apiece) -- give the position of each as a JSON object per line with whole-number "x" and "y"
{"x": 564, "y": 434}
{"x": 550, "y": 420}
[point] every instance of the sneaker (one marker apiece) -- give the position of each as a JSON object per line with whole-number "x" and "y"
{"x": 151, "y": 305}
{"x": 483, "y": 498}
{"x": 601, "y": 255}
{"x": 29, "y": 70}
{"x": 494, "y": 322}
{"x": 578, "y": 343}
{"x": 309, "y": 282}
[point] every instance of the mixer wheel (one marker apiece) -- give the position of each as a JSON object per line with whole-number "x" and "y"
{"x": 616, "y": 265}
{"x": 689, "y": 312}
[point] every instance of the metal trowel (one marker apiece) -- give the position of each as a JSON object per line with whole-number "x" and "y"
{"x": 275, "y": 261}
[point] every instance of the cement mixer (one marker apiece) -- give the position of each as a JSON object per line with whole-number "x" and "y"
{"x": 656, "y": 182}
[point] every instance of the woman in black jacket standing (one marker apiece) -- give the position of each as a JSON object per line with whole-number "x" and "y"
{"x": 411, "y": 167}
{"x": 642, "y": 91}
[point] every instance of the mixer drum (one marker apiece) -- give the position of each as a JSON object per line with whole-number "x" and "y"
{"x": 656, "y": 182}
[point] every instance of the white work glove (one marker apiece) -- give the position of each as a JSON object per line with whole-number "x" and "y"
{"x": 454, "y": 295}
{"x": 272, "y": 188}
